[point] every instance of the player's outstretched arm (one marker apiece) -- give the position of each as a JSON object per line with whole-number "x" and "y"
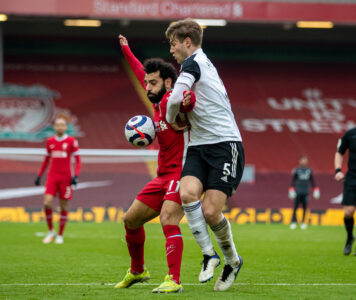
{"x": 134, "y": 63}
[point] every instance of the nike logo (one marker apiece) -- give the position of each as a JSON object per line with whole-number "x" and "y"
{"x": 138, "y": 131}
{"x": 170, "y": 193}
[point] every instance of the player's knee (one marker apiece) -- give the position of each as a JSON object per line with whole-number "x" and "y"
{"x": 131, "y": 222}
{"x": 211, "y": 215}
{"x": 187, "y": 196}
{"x": 349, "y": 212}
{"x": 169, "y": 218}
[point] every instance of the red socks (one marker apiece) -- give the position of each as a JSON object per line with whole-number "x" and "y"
{"x": 49, "y": 218}
{"x": 135, "y": 239}
{"x": 174, "y": 250}
{"x": 62, "y": 222}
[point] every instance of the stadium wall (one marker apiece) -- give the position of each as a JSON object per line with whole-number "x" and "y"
{"x": 284, "y": 109}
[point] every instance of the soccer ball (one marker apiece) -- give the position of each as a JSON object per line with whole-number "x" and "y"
{"x": 140, "y": 131}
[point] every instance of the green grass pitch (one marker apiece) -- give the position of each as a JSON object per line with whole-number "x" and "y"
{"x": 278, "y": 264}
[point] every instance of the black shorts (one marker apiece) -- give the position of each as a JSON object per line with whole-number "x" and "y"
{"x": 349, "y": 196}
{"x": 301, "y": 199}
{"x": 217, "y": 166}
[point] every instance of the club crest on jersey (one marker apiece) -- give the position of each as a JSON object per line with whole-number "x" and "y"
{"x": 65, "y": 146}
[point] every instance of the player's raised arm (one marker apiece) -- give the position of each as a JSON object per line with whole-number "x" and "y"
{"x": 44, "y": 165}
{"x": 134, "y": 63}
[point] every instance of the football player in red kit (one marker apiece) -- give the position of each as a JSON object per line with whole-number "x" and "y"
{"x": 161, "y": 195}
{"x": 60, "y": 149}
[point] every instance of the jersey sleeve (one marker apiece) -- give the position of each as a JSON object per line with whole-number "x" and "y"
{"x": 190, "y": 72}
{"x": 48, "y": 149}
{"x": 46, "y": 160}
{"x": 135, "y": 64}
{"x": 311, "y": 179}
{"x": 294, "y": 178}
{"x": 343, "y": 144}
{"x": 75, "y": 147}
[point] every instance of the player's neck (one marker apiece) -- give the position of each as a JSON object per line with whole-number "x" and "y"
{"x": 192, "y": 49}
{"x": 61, "y": 136}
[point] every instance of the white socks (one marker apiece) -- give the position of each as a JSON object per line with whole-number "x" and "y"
{"x": 223, "y": 234}
{"x": 197, "y": 224}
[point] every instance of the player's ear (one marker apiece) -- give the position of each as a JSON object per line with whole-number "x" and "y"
{"x": 187, "y": 42}
{"x": 168, "y": 83}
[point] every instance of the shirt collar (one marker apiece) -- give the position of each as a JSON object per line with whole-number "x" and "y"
{"x": 62, "y": 138}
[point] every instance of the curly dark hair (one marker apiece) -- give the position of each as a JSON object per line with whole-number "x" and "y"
{"x": 166, "y": 70}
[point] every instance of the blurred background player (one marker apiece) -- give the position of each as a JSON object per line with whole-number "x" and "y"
{"x": 302, "y": 177}
{"x": 161, "y": 195}
{"x": 60, "y": 149}
{"x": 348, "y": 141}
{"x": 215, "y": 156}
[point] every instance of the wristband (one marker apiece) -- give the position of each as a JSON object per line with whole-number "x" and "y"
{"x": 337, "y": 170}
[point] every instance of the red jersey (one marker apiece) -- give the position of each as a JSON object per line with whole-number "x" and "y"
{"x": 172, "y": 144}
{"x": 60, "y": 152}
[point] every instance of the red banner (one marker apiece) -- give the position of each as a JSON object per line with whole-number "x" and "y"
{"x": 177, "y": 9}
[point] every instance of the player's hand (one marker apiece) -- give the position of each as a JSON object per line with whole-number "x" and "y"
{"x": 291, "y": 193}
{"x": 38, "y": 180}
{"x": 180, "y": 124}
{"x": 123, "y": 40}
{"x": 339, "y": 176}
{"x": 189, "y": 101}
{"x": 74, "y": 180}
{"x": 316, "y": 193}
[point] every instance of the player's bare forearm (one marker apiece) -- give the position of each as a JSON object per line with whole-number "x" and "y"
{"x": 180, "y": 124}
{"x": 338, "y": 160}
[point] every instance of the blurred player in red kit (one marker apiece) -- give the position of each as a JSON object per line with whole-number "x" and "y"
{"x": 60, "y": 149}
{"x": 161, "y": 195}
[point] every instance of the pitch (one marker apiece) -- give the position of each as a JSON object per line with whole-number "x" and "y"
{"x": 278, "y": 263}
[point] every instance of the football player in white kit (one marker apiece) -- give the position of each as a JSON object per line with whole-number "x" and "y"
{"x": 215, "y": 156}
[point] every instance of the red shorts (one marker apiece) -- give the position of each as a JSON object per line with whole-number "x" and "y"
{"x": 165, "y": 187}
{"x": 59, "y": 184}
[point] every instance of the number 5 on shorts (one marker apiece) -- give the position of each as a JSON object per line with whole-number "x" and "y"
{"x": 227, "y": 171}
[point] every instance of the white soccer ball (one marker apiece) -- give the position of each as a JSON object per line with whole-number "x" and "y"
{"x": 140, "y": 131}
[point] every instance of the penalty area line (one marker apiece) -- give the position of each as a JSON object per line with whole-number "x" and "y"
{"x": 183, "y": 283}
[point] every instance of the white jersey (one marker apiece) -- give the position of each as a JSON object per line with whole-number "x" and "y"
{"x": 212, "y": 120}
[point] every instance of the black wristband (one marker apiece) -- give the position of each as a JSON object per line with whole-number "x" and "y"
{"x": 337, "y": 170}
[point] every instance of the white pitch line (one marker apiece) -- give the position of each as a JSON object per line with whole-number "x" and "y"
{"x": 183, "y": 283}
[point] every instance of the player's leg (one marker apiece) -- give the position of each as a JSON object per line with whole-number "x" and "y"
{"x": 190, "y": 193}
{"x": 226, "y": 162}
{"x": 137, "y": 215}
{"x": 349, "y": 211}
{"x": 65, "y": 194}
{"x": 304, "y": 202}
{"x": 171, "y": 215}
{"x": 293, "y": 224}
{"x": 213, "y": 204}
{"x": 191, "y": 188}
{"x": 63, "y": 203}
{"x": 349, "y": 204}
{"x": 48, "y": 200}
